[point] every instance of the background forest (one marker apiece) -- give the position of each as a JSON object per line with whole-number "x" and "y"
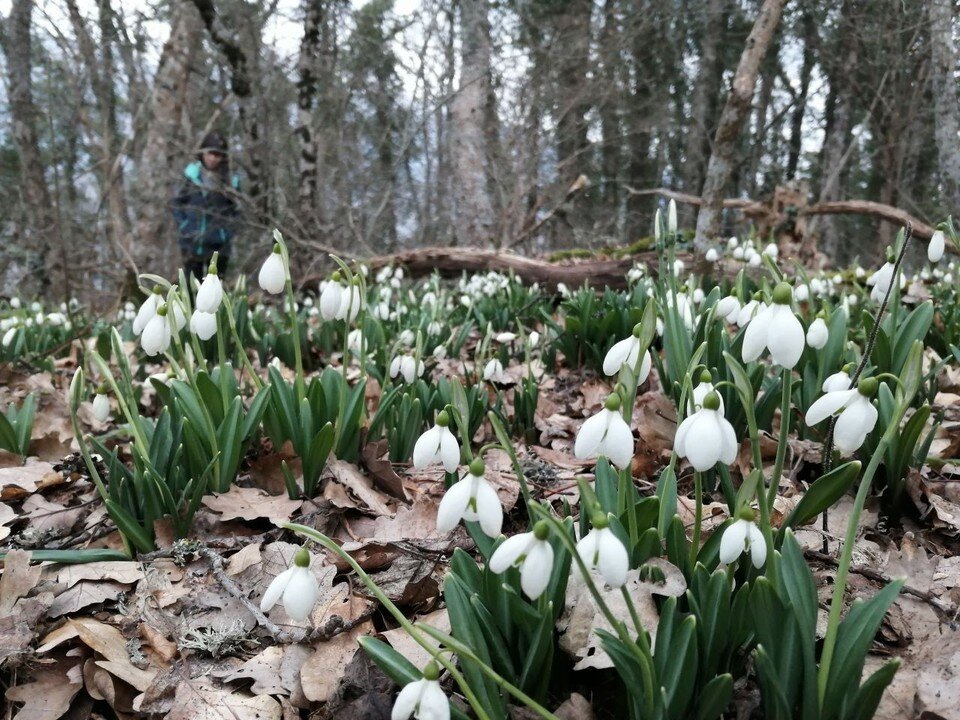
{"x": 368, "y": 127}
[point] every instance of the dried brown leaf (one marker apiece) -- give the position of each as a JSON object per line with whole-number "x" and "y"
{"x": 251, "y": 504}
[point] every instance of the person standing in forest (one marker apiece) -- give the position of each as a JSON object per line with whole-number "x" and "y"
{"x": 206, "y": 208}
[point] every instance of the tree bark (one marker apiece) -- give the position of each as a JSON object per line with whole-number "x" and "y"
{"x": 307, "y": 61}
{"x": 810, "y": 44}
{"x": 154, "y": 246}
{"x": 469, "y": 143}
{"x": 946, "y": 103}
{"x": 41, "y": 270}
{"x": 731, "y": 121}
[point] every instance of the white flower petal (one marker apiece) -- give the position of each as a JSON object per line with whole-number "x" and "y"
{"x": 300, "y": 596}
{"x": 817, "y": 334}
{"x": 645, "y": 366}
{"x": 755, "y": 338}
{"x": 614, "y": 561}
{"x": 733, "y": 541}
{"x": 758, "y": 545}
{"x": 854, "y": 423}
{"x": 827, "y": 405}
{"x": 706, "y": 441}
{"x": 434, "y": 705}
{"x": 785, "y": 337}
{"x": 449, "y": 450}
{"x": 330, "y": 300}
{"x": 427, "y": 447}
{"x": 453, "y": 505}
{"x": 730, "y": 447}
{"x": 507, "y": 554}
{"x": 937, "y": 246}
{"x": 273, "y": 276}
{"x": 489, "y": 509}
{"x": 590, "y": 436}
{"x": 618, "y": 442}
{"x": 275, "y": 589}
{"x": 837, "y": 381}
{"x": 679, "y": 440}
{"x": 407, "y": 700}
{"x": 210, "y": 294}
{"x": 536, "y": 570}
{"x": 619, "y": 354}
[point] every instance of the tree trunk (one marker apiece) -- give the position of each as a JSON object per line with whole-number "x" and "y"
{"x": 731, "y": 121}
{"x": 41, "y": 269}
{"x": 307, "y": 61}
{"x": 469, "y": 146}
{"x": 810, "y": 43}
{"x": 946, "y": 102}
{"x": 705, "y": 93}
{"x": 154, "y": 247}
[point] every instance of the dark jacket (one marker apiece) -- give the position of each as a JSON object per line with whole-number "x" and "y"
{"x": 206, "y": 212}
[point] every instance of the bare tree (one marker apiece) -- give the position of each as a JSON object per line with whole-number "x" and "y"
{"x": 946, "y": 103}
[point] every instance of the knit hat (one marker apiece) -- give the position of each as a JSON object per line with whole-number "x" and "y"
{"x": 214, "y": 142}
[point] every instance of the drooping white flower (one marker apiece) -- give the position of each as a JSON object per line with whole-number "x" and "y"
{"x": 533, "y": 339}
{"x": 607, "y": 434}
{"x": 15, "y": 303}
{"x": 331, "y": 296}
{"x": 422, "y": 699}
{"x": 437, "y": 445}
{"x": 837, "y": 381}
{"x": 350, "y": 302}
{"x": 732, "y": 242}
{"x": 738, "y": 253}
{"x": 177, "y": 319}
{"x": 273, "y": 273}
{"x": 101, "y": 407}
{"x": 210, "y": 294}
{"x": 857, "y": 415}
{"x": 147, "y": 310}
{"x": 672, "y": 217}
{"x": 801, "y": 293}
{"x": 493, "y": 371}
{"x": 440, "y": 352}
{"x": 625, "y": 354}
{"x": 700, "y": 392}
{"x": 8, "y": 336}
{"x": 706, "y": 437}
{"x": 203, "y": 324}
{"x": 472, "y": 498}
{"x": 601, "y": 549}
{"x": 755, "y": 260}
{"x": 156, "y": 335}
{"x": 881, "y": 281}
{"x": 532, "y": 554}
{"x": 407, "y": 367}
{"x": 772, "y": 251}
{"x": 505, "y": 337}
{"x": 740, "y": 537}
{"x": 728, "y": 308}
{"x": 937, "y": 246}
{"x": 776, "y": 328}
{"x": 749, "y": 311}
{"x": 698, "y": 296}
{"x": 297, "y": 585}
{"x": 712, "y": 255}
{"x": 817, "y": 334}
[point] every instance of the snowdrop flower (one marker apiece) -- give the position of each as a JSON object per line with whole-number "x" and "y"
{"x": 297, "y": 585}
{"x": 8, "y": 336}
{"x": 937, "y": 246}
{"x": 422, "y": 699}
{"x": 657, "y": 220}
{"x": 732, "y": 242}
{"x": 350, "y": 302}
{"x": 273, "y": 272}
{"x": 837, "y": 381}
{"x": 738, "y": 253}
{"x": 407, "y": 367}
{"x": 771, "y": 251}
{"x": 210, "y": 294}
{"x": 101, "y": 405}
{"x": 600, "y": 548}
{"x": 698, "y": 296}
{"x": 533, "y": 339}
{"x": 728, "y": 308}
{"x": 625, "y": 354}
{"x": 203, "y": 324}
{"x": 817, "y": 334}
{"x": 881, "y": 281}
{"x": 156, "y": 335}
{"x": 678, "y": 266}
{"x": 754, "y": 260}
{"x": 672, "y": 217}
{"x": 437, "y": 445}
{"x": 563, "y": 289}
{"x": 700, "y": 392}
{"x": 15, "y": 303}
{"x": 743, "y": 536}
{"x": 331, "y": 297}
{"x": 493, "y": 371}
{"x": 777, "y": 328}
{"x": 505, "y": 337}
{"x": 147, "y": 310}
{"x": 355, "y": 342}
{"x": 607, "y": 434}
{"x": 434, "y": 328}
{"x": 859, "y": 273}
{"x": 712, "y": 255}
{"x": 532, "y": 554}
{"x": 440, "y": 352}
{"x": 857, "y": 415}
{"x": 706, "y": 437}
{"x": 472, "y": 498}
{"x": 801, "y": 293}
{"x": 406, "y": 337}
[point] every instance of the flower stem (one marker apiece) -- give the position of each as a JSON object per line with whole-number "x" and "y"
{"x": 698, "y": 493}
{"x": 783, "y": 440}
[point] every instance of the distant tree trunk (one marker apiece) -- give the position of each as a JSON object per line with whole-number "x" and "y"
{"x": 469, "y": 143}
{"x": 40, "y": 236}
{"x": 810, "y": 43}
{"x": 154, "y": 247}
{"x": 946, "y": 102}
{"x": 306, "y": 93}
{"x": 731, "y": 120}
{"x": 761, "y": 143}
{"x": 608, "y": 107}
{"x": 704, "y": 97}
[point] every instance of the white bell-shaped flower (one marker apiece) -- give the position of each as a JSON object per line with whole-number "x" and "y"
{"x": 407, "y": 367}
{"x": 857, "y": 415}
{"x": 837, "y": 381}
{"x": 101, "y": 406}
{"x": 625, "y": 354}
{"x": 712, "y": 255}
{"x": 882, "y": 280}
{"x": 706, "y": 437}
{"x": 601, "y": 549}
{"x": 801, "y": 293}
{"x": 817, "y": 334}
{"x": 493, "y": 371}
{"x": 776, "y": 328}
{"x": 203, "y": 324}
{"x": 740, "y": 537}
{"x": 771, "y": 250}
{"x": 700, "y": 392}
{"x": 533, "y": 339}
{"x": 147, "y": 310}
{"x": 297, "y": 585}
{"x": 156, "y": 335}
{"x": 937, "y": 246}
{"x": 672, "y": 217}
{"x": 422, "y": 699}
{"x": 350, "y": 302}
{"x": 273, "y": 273}
{"x": 472, "y": 498}
{"x": 437, "y": 445}
{"x": 532, "y": 554}
{"x": 210, "y": 294}
{"x": 728, "y": 308}
{"x": 8, "y": 336}
{"x": 749, "y": 311}
{"x": 607, "y": 434}
{"x": 331, "y": 297}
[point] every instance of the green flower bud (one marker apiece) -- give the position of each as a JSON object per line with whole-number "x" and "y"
{"x": 443, "y": 419}
{"x": 477, "y": 466}
{"x": 302, "y": 558}
{"x": 705, "y": 376}
{"x": 612, "y": 402}
{"x": 711, "y": 401}
{"x": 431, "y": 671}
{"x": 782, "y": 293}
{"x": 541, "y": 530}
{"x": 868, "y": 387}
